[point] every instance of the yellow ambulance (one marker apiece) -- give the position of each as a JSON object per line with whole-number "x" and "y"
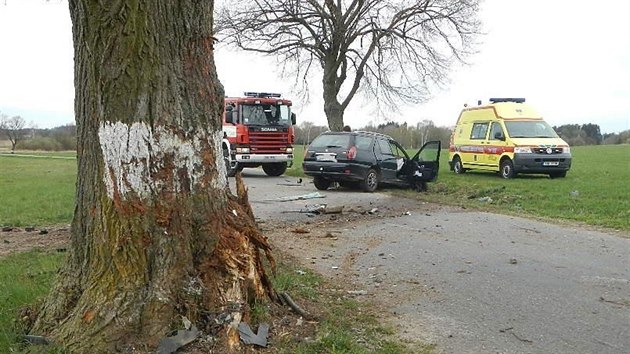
{"x": 509, "y": 137}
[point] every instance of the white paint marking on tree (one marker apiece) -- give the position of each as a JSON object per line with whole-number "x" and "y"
{"x": 129, "y": 153}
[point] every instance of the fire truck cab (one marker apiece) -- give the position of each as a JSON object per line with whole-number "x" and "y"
{"x": 258, "y": 131}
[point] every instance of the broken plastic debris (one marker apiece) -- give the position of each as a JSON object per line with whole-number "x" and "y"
{"x": 36, "y": 340}
{"x": 373, "y": 211}
{"x": 248, "y": 336}
{"x": 186, "y": 322}
{"x": 485, "y": 200}
{"x": 171, "y": 344}
{"x": 300, "y": 197}
{"x": 357, "y": 292}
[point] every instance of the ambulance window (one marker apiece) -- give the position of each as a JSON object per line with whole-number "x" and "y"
{"x": 496, "y": 133}
{"x": 479, "y": 131}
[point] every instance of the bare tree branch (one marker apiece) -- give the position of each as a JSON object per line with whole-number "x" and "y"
{"x": 391, "y": 50}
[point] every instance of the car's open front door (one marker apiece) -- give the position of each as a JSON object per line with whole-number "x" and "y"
{"x": 428, "y": 160}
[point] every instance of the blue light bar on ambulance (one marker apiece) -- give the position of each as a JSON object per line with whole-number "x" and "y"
{"x": 261, "y": 94}
{"x": 516, "y": 100}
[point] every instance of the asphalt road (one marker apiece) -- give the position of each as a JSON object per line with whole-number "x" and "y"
{"x": 469, "y": 282}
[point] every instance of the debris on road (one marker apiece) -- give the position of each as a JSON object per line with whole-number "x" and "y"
{"x": 513, "y": 261}
{"x": 318, "y": 209}
{"x": 297, "y": 197}
{"x": 300, "y": 230}
{"x": 357, "y": 292}
{"x": 248, "y": 336}
{"x": 36, "y": 340}
{"x": 287, "y": 300}
{"x": 171, "y": 344}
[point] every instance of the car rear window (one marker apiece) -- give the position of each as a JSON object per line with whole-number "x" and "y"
{"x": 331, "y": 141}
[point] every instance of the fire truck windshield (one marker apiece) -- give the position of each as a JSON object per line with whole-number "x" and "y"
{"x": 265, "y": 114}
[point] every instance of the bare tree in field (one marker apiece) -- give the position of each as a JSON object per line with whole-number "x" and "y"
{"x": 13, "y": 128}
{"x": 392, "y": 50}
{"x": 156, "y": 233}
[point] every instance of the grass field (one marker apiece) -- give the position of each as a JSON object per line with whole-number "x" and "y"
{"x": 24, "y": 278}
{"x": 36, "y": 190}
{"x": 595, "y": 191}
{"x": 40, "y": 190}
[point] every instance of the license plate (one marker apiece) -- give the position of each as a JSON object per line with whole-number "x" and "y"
{"x": 550, "y": 163}
{"x": 326, "y": 157}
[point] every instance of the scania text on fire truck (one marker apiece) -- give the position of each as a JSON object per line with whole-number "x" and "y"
{"x": 258, "y": 131}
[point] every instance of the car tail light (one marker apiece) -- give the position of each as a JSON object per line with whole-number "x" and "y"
{"x": 352, "y": 153}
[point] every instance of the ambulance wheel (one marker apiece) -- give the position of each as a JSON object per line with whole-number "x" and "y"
{"x": 457, "y": 165}
{"x": 558, "y": 174}
{"x": 507, "y": 169}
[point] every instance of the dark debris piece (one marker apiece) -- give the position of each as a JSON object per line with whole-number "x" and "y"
{"x": 248, "y": 336}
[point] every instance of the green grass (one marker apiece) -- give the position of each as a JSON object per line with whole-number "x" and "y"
{"x": 595, "y": 190}
{"x": 346, "y": 326}
{"x": 24, "y": 279}
{"x": 40, "y": 191}
{"x": 36, "y": 190}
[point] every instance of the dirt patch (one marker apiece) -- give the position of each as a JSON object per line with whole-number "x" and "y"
{"x": 16, "y": 239}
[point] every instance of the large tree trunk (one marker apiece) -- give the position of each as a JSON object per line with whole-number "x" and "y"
{"x": 156, "y": 233}
{"x": 332, "y": 107}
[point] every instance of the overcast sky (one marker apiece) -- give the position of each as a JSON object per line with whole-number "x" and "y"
{"x": 570, "y": 59}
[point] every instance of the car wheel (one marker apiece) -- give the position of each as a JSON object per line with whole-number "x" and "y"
{"x": 348, "y": 184}
{"x": 558, "y": 174}
{"x": 457, "y": 165}
{"x": 507, "y": 169}
{"x": 231, "y": 167}
{"x": 321, "y": 183}
{"x": 421, "y": 186}
{"x": 370, "y": 182}
{"x": 274, "y": 169}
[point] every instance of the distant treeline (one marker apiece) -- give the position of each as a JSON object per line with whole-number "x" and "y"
{"x": 414, "y": 136}
{"x": 61, "y": 138}
{"x": 410, "y": 136}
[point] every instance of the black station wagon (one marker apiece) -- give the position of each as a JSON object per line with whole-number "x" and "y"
{"x": 367, "y": 159}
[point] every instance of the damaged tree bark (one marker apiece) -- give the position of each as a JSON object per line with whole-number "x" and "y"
{"x": 156, "y": 233}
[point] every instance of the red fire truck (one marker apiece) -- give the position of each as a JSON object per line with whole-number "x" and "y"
{"x": 258, "y": 131}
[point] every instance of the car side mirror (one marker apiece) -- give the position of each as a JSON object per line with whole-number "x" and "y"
{"x": 293, "y": 120}
{"x": 499, "y": 136}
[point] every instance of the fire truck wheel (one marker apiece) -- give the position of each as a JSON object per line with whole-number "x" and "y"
{"x": 274, "y": 169}
{"x": 231, "y": 167}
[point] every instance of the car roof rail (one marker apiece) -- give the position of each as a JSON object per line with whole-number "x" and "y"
{"x": 507, "y": 99}
{"x": 373, "y": 133}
